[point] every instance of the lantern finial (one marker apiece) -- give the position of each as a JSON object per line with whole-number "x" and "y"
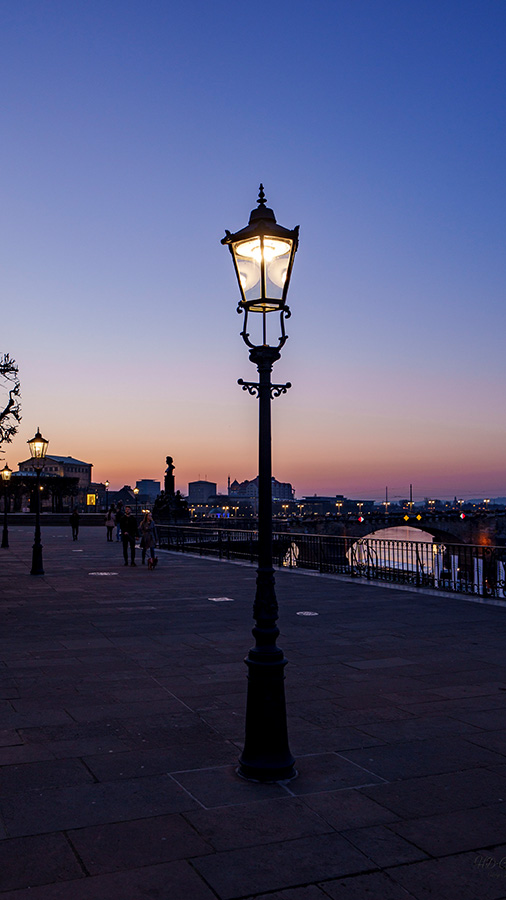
{"x": 261, "y": 196}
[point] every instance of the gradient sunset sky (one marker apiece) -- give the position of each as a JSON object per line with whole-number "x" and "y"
{"x": 133, "y": 132}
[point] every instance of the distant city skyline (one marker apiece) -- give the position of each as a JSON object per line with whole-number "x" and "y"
{"x": 134, "y": 134}
{"x": 378, "y": 494}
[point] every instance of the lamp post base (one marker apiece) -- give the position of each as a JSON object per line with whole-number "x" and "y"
{"x": 5, "y": 538}
{"x": 266, "y": 756}
{"x": 37, "y": 567}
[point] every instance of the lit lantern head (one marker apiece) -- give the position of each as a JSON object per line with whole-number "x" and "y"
{"x": 263, "y": 254}
{"x": 6, "y": 474}
{"x": 38, "y": 449}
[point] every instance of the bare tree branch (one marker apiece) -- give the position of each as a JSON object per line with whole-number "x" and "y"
{"x": 10, "y": 415}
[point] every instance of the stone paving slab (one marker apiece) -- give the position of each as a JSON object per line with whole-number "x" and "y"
{"x": 122, "y": 715}
{"x": 296, "y": 862}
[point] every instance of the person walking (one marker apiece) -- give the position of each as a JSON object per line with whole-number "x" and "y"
{"x": 117, "y": 519}
{"x": 110, "y": 521}
{"x": 129, "y": 532}
{"x": 149, "y": 538}
{"x": 74, "y": 521}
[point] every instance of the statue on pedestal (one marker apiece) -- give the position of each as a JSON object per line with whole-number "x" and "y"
{"x": 169, "y": 482}
{"x": 170, "y": 506}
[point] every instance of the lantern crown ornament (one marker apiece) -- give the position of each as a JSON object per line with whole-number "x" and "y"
{"x": 263, "y": 254}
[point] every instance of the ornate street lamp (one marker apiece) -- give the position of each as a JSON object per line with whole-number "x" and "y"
{"x": 6, "y": 477}
{"x": 136, "y": 492}
{"x": 38, "y": 449}
{"x": 263, "y": 254}
{"x": 106, "y": 495}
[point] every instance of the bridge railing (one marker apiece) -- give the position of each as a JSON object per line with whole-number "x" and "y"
{"x": 460, "y": 568}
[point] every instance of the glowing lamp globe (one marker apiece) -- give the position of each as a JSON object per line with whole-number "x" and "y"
{"x": 6, "y": 473}
{"x": 38, "y": 449}
{"x": 263, "y": 254}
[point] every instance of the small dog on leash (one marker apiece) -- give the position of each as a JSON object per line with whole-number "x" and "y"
{"x": 152, "y": 563}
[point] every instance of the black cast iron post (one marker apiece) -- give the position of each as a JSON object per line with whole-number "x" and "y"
{"x": 37, "y": 566}
{"x": 38, "y": 449}
{"x": 5, "y": 474}
{"x": 266, "y": 755}
{"x": 263, "y": 255}
{"x": 5, "y": 532}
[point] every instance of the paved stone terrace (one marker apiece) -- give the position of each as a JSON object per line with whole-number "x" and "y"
{"x": 121, "y": 719}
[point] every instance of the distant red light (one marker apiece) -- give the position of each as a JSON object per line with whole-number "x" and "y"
{"x": 462, "y": 515}
{"x": 360, "y": 518}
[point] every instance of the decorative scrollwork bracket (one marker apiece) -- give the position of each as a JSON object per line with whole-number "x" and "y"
{"x": 278, "y": 389}
{"x": 253, "y": 388}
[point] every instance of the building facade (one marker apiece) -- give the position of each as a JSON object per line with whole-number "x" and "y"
{"x": 148, "y": 487}
{"x": 281, "y": 490}
{"x": 63, "y": 467}
{"x": 200, "y": 491}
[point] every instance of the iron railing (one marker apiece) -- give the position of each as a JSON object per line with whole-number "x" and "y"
{"x": 461, "y": 568}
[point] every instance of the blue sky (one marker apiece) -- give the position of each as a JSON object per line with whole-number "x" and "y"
{"x": 134, "y": 133}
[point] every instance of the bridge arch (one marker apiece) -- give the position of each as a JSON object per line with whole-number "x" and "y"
{"x": 419, "y": 533}
{"x": 406, "y": 548}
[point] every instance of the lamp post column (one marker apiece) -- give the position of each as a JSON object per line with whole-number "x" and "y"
{"x": 5, "y": 474}
{"x": 37, "y": 567}
{"x": 5, "y": 532}
{"x": 263, "y": 254}
{"x": 266, "y": 755}
{"x": 264, "y": 359}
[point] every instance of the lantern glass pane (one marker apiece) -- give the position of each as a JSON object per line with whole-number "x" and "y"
{"x": 38, "y": 446}
{"x": 276, "y": 271}
{"x": 247, "y": 257}
{"x": 36, "y": 449}
{"x": 270, "y": 254}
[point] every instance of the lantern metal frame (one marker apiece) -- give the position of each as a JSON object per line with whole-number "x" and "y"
{"x": 263, "y": 227}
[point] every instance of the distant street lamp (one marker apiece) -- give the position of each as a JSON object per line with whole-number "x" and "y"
{"x": 263, "y": 254}
{"x": 6, "y": 477}
{"x": 38, "y": 449}
{"x": 136, "y": 492}
{"x": 106, "y": 495}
